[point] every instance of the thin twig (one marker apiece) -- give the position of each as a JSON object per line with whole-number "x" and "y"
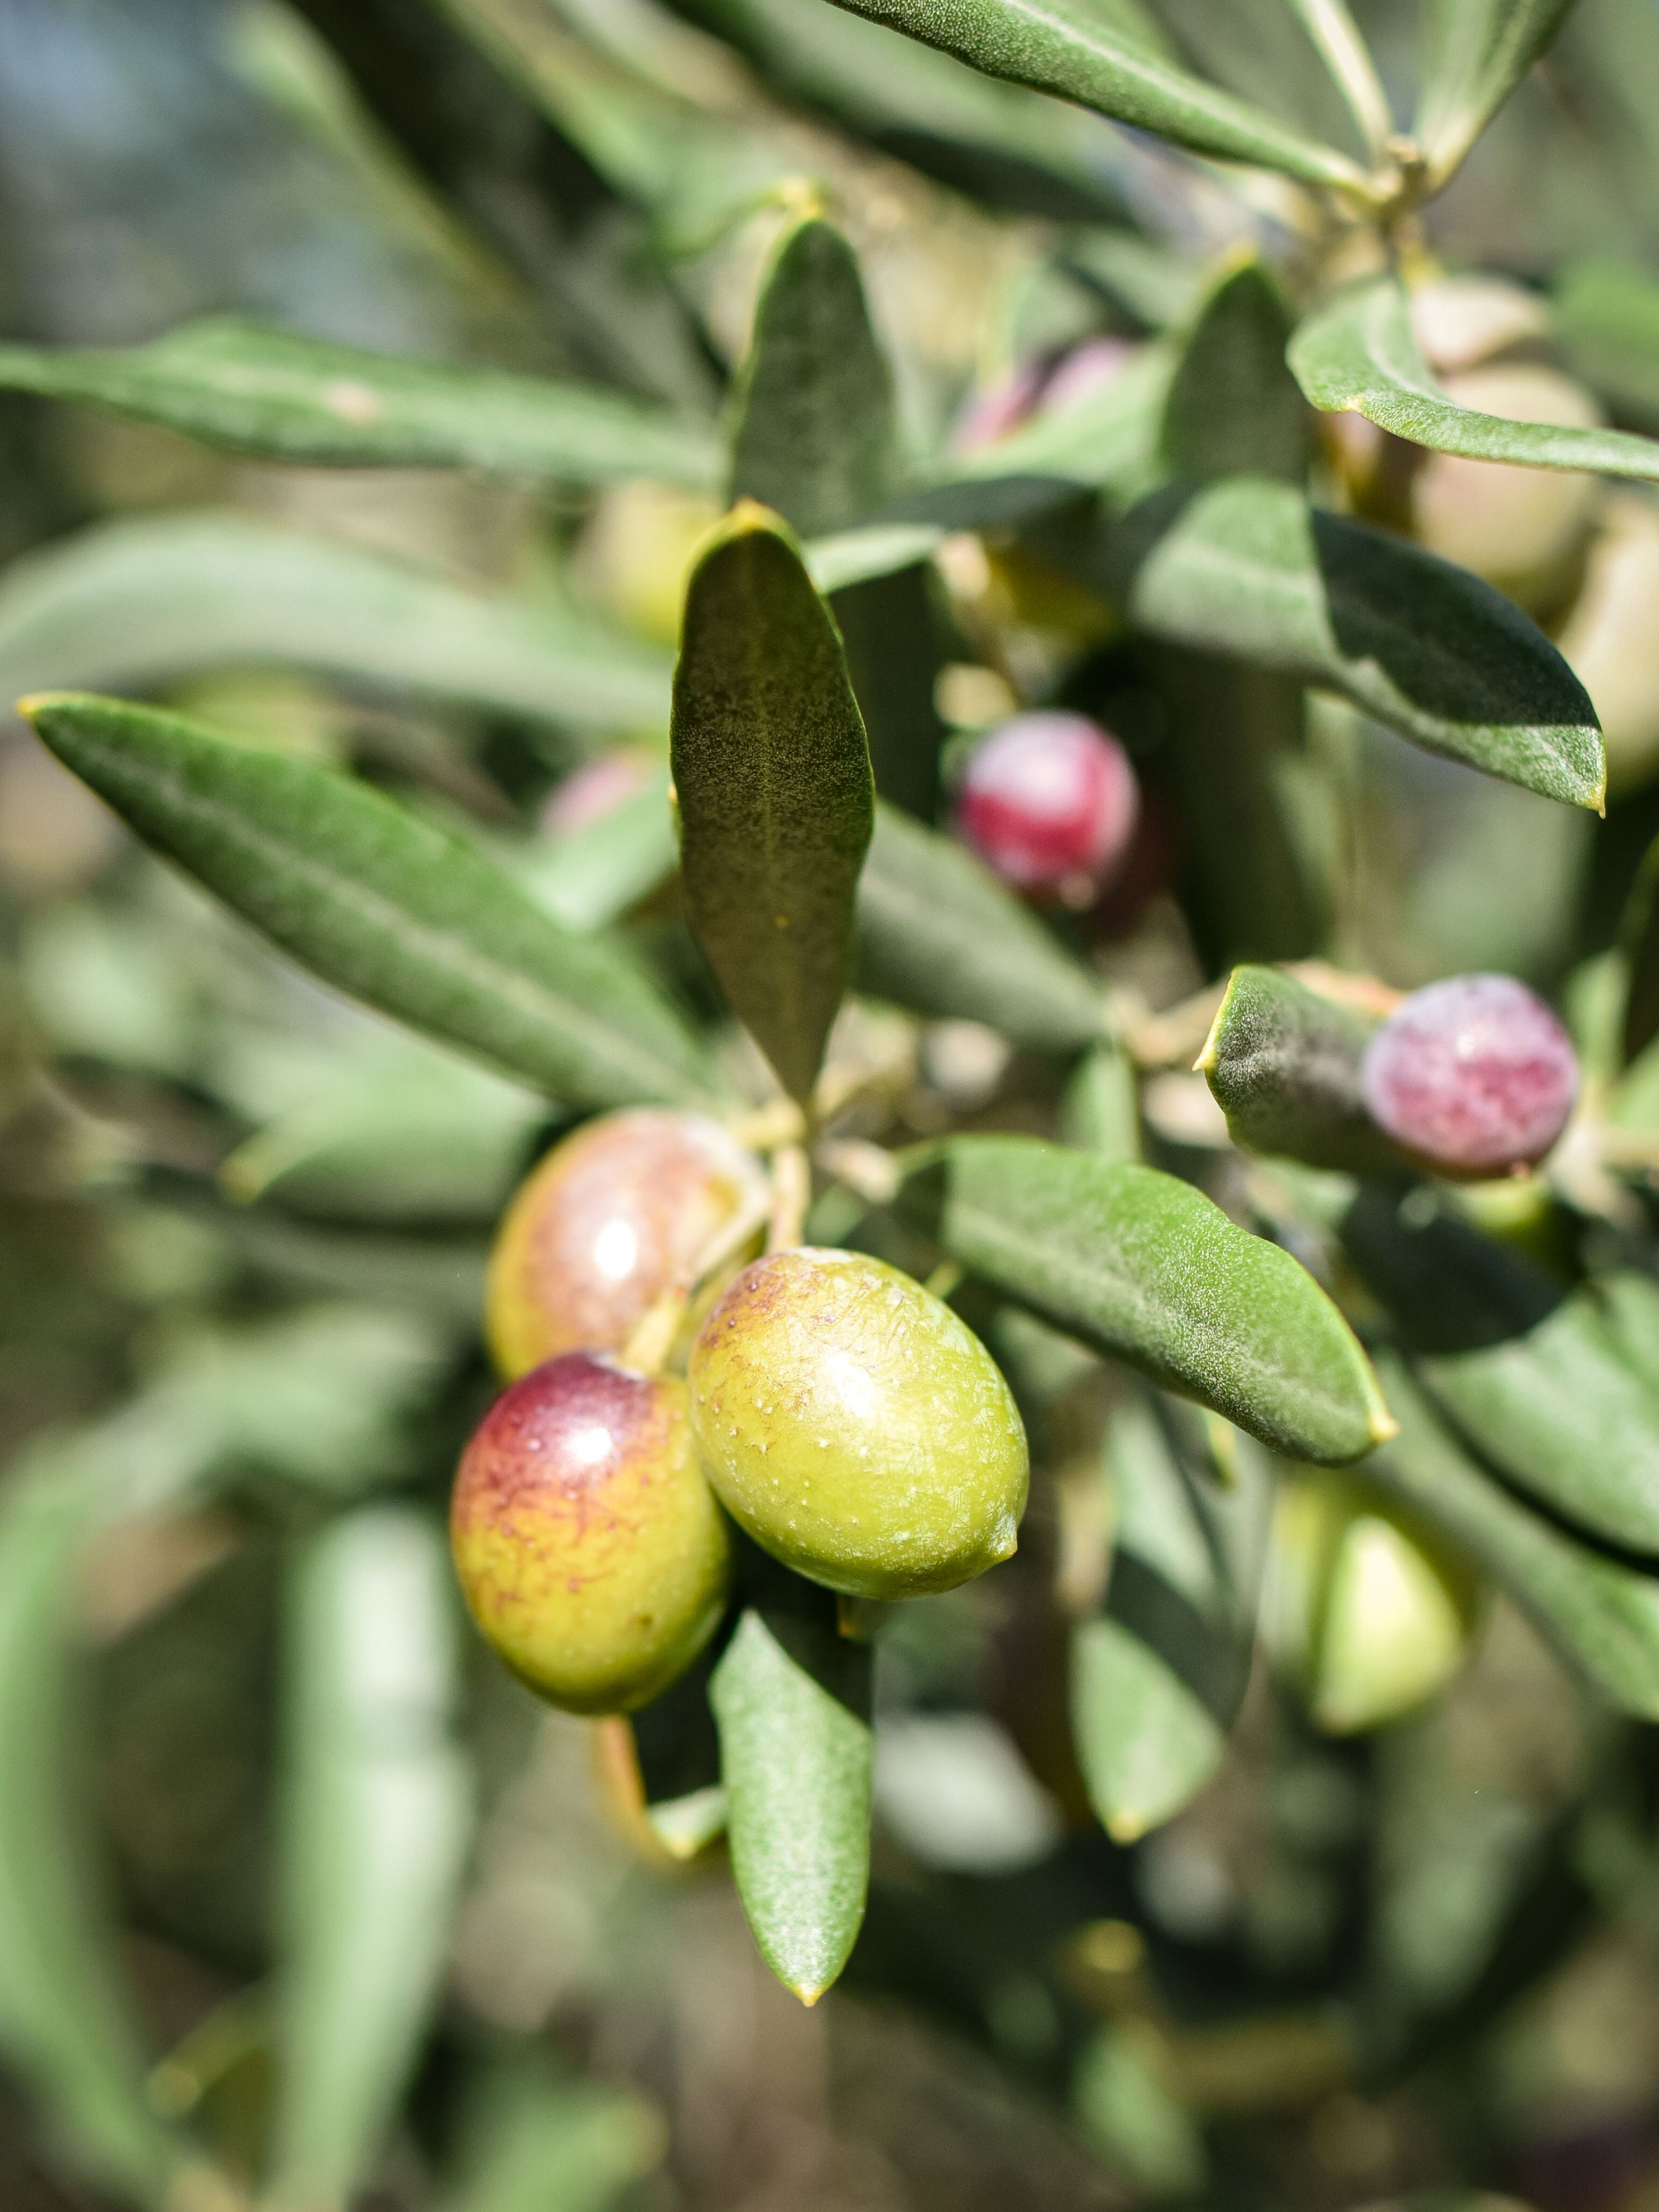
{"x": 791, "y": 1192}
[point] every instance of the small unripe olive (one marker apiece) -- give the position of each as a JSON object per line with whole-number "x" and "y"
{"x": 856, "y": 1427}
{"x": 589, "y": 1546}
{"x": 615, "y": 1215}
{"x": 1461, "y": 321}
{"x": 1611, "y": 641}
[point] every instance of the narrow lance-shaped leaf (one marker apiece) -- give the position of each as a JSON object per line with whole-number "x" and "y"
{"x": 1246, "y": 568}
{"x": 1640, "y": 936}
{"x": 1143, "y": 1266}
{"x": 138, "y": 603}
{"x": 1528, "y": 1372}
{"x": 1361, "y": 353}
{"x": 814, "y": 433}
{"x": 1282, "y": 1061}
{"x": 285, "y": 398}
{"x": 938, "y": 932}
{"x": 1100, "y": 66}
{"x": 1601, "y": 1615}
{"x": 1158, "y": 1674}
{"x": 375, "y": 1819}
{"x": 792, "y": 1700}
{"x": 772, "y": 772}
{"x": 535, "y": 2140}
{"x": 1608, "y": 315}
{"x": 1476, "y": 51}
{"x": 1233, "y": 407}
{"x": 382, "y": 905}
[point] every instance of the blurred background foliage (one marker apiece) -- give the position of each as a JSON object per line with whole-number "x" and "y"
{"x": 242, "y": 1224}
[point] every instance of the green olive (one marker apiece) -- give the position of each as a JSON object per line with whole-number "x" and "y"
{"x": 589, "y": 1548}
{"x": 855, "y": 1427}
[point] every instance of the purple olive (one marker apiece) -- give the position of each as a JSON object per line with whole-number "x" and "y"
{"x": 1474, "y": 1076}
{"x": 1049, "y": 802}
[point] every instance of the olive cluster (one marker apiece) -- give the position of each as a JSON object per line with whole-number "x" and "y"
{"x": 845, "y": 1418}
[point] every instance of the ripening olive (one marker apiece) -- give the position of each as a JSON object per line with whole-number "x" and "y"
{"x": 1474, "y": 1076}
{"x": 1365, "y": 1609}
{"x": 615, "y": 1215}
{"x": 589, "y": 1546}
{"x": 1049, "y": 802}
{"x": 856, "y": 1427}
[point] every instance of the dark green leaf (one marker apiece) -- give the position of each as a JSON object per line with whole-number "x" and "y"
{"x": 1361, "y": 353}
{"x": 938, "y": 932}
{"x": 1601, "y": 1614}
{"x": 1283, "y": 1063}
{"x": 772, "y": 771}
{"x": 1640, "y": 935}
{"x": 1608, "y": 314}
{"x": 1246, "y": 567}
{"x": 1233, "y": 407}
{"x": 1101, "y": 66}
{"x": 290, "y": 398}
{"x": 814, "y": 434}
{"x": 1143, "y": 1266}
{"x": 375, "y": 1819}
{"x": 1476, "y": 51}
{"x": 381, "y": 904}
{"x": 1158, "y": 1675}
{"x": 1528, "y": 1372}
{"x": 139, "y": 603}
{"x": 792, "y": 1700}
{"x": 896, "y": 636}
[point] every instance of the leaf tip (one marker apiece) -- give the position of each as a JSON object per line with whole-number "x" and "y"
{"x": 1210, "y": 1054}
{"x": 1383, "y": 1426}
{"x": 1127, "y": 1827}
{"x": 807, "y": 1992}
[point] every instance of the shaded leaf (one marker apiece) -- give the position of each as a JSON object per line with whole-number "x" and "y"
{"x": 1106, "y": 438}
{"x": 895, "y": 632}
{"x": 814, "y": 433}
{"x": 1143, "y": 1266}
{"x": 792, "y": 1700}
{"x": 533, "y": 2142}
{"x": 1101, "y": 65}
{"x": 587, "y": 878}
{"x": 1599, "y": 1613}
{"x": 880, "y": 548}
{"x": 1608, "y": 314}
{"x": 938, "y": 932}
{"x": 772, "y": 771}
{"x": 283, "y": 397}
{"x": 1283, "y": 1064}
{"x": 1475, "y": 52}
{"x": 374, "y": 1822}
{"x": 1246, "y": 568}
{"x": 140, "y": 603}
{"x": 1640, "y": 935}
{"x": 382, "y": 905}
{"x": 1100, "y": 1111}
{"x": 1525, "y": 1370}
{"x": 1233, "y": 407}
{"x": 1158, "y": 1676}
{"x": 1359, "y": 352}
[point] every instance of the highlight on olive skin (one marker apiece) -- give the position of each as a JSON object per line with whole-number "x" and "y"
{"x": 1049, "y": 802}
{"x": 590, "y": 1549}
{"x": 615, "y": 1215}
{"x": 1474, "y": 1076}
{"x": 856, "y": 1427}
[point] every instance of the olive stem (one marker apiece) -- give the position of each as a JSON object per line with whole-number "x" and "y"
{"x": 765, "y": 1128}
{"x": 868, "y": 1170}
{"x": 791, "y": 1192}
{"x": 654, "y": 1334}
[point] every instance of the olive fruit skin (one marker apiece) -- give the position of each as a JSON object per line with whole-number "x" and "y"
{"x": 1474, "y": 1076}
{"x": 1049, "y": 802}
{"x": 855, "y": 1427}
{"x": 618, "y": 1213}
{"x": 589, "y": 1546}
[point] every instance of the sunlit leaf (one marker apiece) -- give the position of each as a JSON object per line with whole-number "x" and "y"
{"x": 281, "y": 396}
{"x": 381, "y": 904}
{"x": 1475, "y": 52}
{"x": 1143, "y": 1266}
{"x": 1233, "y": 407}
{"x": 1283, "y": 1063}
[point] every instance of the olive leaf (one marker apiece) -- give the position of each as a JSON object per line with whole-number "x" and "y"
{"x": 1107, "y": 439}
{"x": 1359, "y": 352}
{"x": 375, "y": 1816}
{"x": 591, "y": 876}
{"x": 1101, "y": 65}
{"x": 814, "y": 434}
{"x": 1233, "y": 407}
{"x": 1143, "y": 1266}
{"x": 938, "y": 932}
{"x": 772, "y": 771}
{"x": 1608, "y": 314}
{"x": 281, "y": 396}
{"x": 534, "y": 2139}
{"x": 1100, "y": 1110}
{"x": 138, "y": 603}
{"x": 382, "y": 905}
{"x": 1282, "y": 1061}
{"x": 1639, "y": 934}
{"x": 1157, "y": 1675}
{"x": 1246, "y": 567}
{"x": 1528, "y": 1372}
{"x": 1475, "y": 52}
{"x": 1600, "y": 1613}
{"x": 797, "y": 1756}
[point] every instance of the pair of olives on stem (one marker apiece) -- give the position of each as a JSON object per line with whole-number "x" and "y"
{"x": 844, "y": 1417}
